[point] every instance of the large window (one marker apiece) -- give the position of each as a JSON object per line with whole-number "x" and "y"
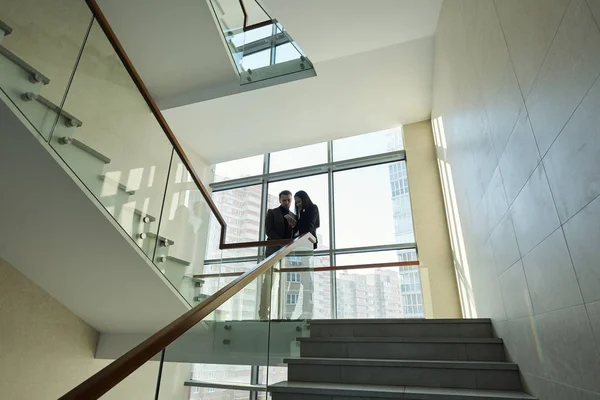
{"x": 368, "y": 144}
{"x": 299, "y": 157}
{"x": 366, "y": 207}
{"x": 361, "y": 187}
{"x": 366, "y": 239}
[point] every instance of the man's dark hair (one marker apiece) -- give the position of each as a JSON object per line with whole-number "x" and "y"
{"x": 285, "y": 193}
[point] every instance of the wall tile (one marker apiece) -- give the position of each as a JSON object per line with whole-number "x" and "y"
{"x": 568, "y": 347}
{"x": 572, "y": 65}
{"x": 583, "y": 239}
{"x": 550, "y": 275}
{"x": 494, "y": 50}
{"x": 545, "y": 389}
{"x": 504, "y": 244}
{"x": 525, "y": 345}
{"x": 573, "y": 162}
{"x": 520, "y": 157}
{"x": 595, "y": 7}
{"x": 515, "y": 293}
{"x": 529, "y": 27}
{"x": 533, "y": 212}
{"x": 494, "y": 201}
{"x": 593, "y": 310}
{"x": 505, "y": 108}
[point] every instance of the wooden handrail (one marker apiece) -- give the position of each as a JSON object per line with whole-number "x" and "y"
{"x": 318, "y": 269}
{"x": 245, "y": 26}
{"x": 107, "y": 378}
{"x": 241, "y": 245}
{"x": 349, "y": 267}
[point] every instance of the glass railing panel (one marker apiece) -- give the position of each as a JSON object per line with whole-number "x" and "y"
{"x": 141, "y": 384}
{"x": 37, "y": 57}
{"x": 272, "y": 57}
{"x": 260, "y": 48}
{"x": 221, "y": 351}
{"x": 386, "y": 292}
{"x": 120, "y": 152}
{"x": 183, "y": 226}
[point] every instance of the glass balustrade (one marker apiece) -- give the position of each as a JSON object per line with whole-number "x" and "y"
{"x": 39, "y": 47}
{"x": 71, "y": 85}
{"x": 260, "y": 47}
{"x": 240, "y": 349}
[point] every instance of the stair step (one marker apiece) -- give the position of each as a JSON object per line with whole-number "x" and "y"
{"x": 460, "y": 328}
{"x": 447, "y": 349}
{"x": 332, "y": 391}
{"x": 450, "y": 374}
{"x": 372, "y": 321}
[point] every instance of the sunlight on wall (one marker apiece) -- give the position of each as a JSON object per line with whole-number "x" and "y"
{"x": 456, "y": 234}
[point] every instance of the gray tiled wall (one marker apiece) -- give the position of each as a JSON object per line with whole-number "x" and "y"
{"x": 517, "y": 100}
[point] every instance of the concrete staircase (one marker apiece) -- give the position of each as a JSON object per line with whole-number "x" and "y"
{"x": 400, "y": 359}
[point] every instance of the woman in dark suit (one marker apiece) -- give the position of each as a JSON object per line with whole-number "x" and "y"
{"x": 308, "y": 220}
{"x": 307, "y": 214}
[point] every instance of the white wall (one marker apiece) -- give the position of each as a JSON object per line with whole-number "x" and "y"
{"x": 516, "y": 99}
{"x": 45, "y": 350}
{"x": 351, "y": 95}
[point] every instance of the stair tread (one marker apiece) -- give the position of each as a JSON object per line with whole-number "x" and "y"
{"x": 480, "y": 365}
{"x": 399, "y": 321}
{"x": 406, "y": 392}
{"x": 386, "y": 339}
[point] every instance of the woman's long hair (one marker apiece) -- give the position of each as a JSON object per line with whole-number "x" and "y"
{"x": 306, "y": 201}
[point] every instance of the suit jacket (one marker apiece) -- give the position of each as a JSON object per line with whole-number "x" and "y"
{"x": 308, "y": 221}
{"x": 276, "y": 227}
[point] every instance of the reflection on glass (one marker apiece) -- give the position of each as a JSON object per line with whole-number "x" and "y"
{"x": 368, "y": 144}
{"x": 184, "y": 227}
{"x": 285, "y": 52}
{"x": 393, "y": 292}
{"x": 245, "y": 304}
{"x": 401, "y": 284}
{"x": 377, "y": 209}
{"x": 120, "y": 153}
{"x": 375, "y": 257}
{"x": 241, "y": 210}
{"x": 37, "y": 58}
{"x": 299, "y": 157}
{"x": 316, "y": 187}
{"x": 241, "y": 168}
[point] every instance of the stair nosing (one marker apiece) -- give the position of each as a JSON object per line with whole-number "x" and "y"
{"x": 439, "y": 364}
{"x": 400, "y": 321}
{"x": 387, "y": 339}
{"x": 384, "y": 391}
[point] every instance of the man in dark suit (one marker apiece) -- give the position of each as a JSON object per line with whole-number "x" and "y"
{"x": 276, "y": 227}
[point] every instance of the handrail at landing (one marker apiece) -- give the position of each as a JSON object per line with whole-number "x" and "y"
{"x": 104, "y": 380}
{"x": 247, "y": 27}
{"x": 318, "y": 269}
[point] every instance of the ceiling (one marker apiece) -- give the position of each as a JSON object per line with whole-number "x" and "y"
{"x": 373, "y": 62}
{"x": 351, "y": 95}
{"x": 174, "y": 45}
{"x": 328, "y": 29}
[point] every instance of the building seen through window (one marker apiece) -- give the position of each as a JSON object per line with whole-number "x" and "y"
{"x": 366, "y": 218}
